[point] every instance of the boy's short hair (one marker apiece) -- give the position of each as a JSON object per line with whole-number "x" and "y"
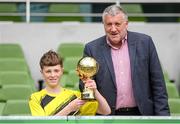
{"x": 50, "y": 58}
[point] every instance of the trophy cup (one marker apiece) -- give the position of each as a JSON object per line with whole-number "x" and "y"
{"x": 86, "y": 68}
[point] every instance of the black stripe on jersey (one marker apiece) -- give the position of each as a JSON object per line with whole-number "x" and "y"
{"x": 47, "y": 99}
{"x": 65, "y": 104}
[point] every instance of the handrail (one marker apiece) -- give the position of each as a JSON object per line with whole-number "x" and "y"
{"x": 94, "y": 14}
{"x": 97, "y": 1}
{"x": 28, "y": 3}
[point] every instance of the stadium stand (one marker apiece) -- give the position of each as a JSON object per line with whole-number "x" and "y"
{"x": 70, "y": 81}
{"x": 9, "y": 8}
{"x": 74, "y": 49}
{"x": 16, "y": 78}
{"x": 13, "y": 64}
{"x": 70, "y": 64}
{"x": 12, "y": 58}
{"x": 16, "y": 92}
{"x": 172, "y": 90}
{"x": 63, "y": 8}
{"x": 2, "y": 105}
{"x": 11, "y": 50}
{"x": 174, "y": 106}
{"x": 134, "y": 9}
{"x": 16, "y": 107}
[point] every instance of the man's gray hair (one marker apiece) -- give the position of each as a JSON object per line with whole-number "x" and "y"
{"x": 114, "y": 10}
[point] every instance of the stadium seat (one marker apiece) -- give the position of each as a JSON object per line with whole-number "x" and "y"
{"x": 14, "y": 64}
{"x": 70, "y": 49}
{"x": 63, "y": 80}
{"x": 172, "y": 90}
{"x": 134, "y": 9}
{"x": 14, "y": 77}
{"x": 2, "y": 96}
{"x": 9, "y": 8}
{"x": 70, "y": 64}
{"x": 64, "y": 8}
{"x": 166, "y": 77}
{"x": 14, "y": 92}
{"x": 16, "y": 107}
{"x": 11, "y": 51}
{"x": 72, "y": 80}
{"x": 2, "y": 104}
{"x": 174, "y": 105}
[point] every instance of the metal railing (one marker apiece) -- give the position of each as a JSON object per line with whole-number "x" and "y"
{"x": 28, "y": 13}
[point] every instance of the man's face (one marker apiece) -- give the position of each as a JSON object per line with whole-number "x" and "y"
{"x": 52, "y": 75}
{"x": 115, "y": 28}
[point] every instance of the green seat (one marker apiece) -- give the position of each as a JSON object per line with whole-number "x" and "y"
{"x": 174, "y": 105}
{"x": 166, "y": 77}
{"x": 14, "y": 77}
{"x": 14, "y": 65}
{"x": 16, "y": 107}
{"x": 2, "y": 105}
{"x": 13, "y": 92}
{"x": 172, "y": 90}
{"x": 70, "y": 64}
{"x": 63, "y": 80}
{"x": 11, "y": 51}
{"x": 9, "y": 8}
{"x": 64, "y": 8}
{"x": 72, "y": 80}
{"x": 134, "y": 9}
{"x": 70, "y": 50}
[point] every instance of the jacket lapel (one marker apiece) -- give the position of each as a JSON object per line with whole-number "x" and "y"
{"x": 106, "y": 50}
{"x": 132, "y": 51}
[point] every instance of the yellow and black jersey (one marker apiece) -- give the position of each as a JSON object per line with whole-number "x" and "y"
{"x": 45, "y": 104}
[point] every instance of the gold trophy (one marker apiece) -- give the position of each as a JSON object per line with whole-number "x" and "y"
{"x": 86, "y": 68}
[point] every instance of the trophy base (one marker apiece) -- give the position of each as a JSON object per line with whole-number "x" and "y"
{"x": 87, "y": 96}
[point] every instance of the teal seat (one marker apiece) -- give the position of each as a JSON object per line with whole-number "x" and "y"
{"x": 70, "y": 64}
{"x": 9, "y": 8}
{"x": 174, "y": 105}
{"x": 134, "y": 9}
{"x": 11, "y": 50}
{"x": 14, "y": 92}
{"x": 70, "y": 50}
{"x": 16, "y": 108}
{"x": 172, "y": 90}
{"x": 64, "y": 8}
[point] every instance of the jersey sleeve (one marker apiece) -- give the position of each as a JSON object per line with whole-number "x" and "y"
{"x": 35, "y": 107}
{"x": 89, "y": 108}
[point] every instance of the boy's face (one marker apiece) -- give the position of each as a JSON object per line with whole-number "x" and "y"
{"x": 52, "y": 75}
